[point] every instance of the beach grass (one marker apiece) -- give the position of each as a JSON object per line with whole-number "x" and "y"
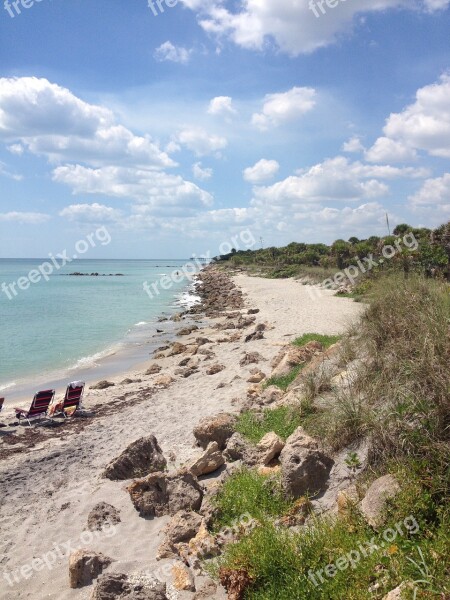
{"x": 283, "y": 421}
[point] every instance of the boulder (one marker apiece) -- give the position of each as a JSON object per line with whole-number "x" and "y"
{"x": 293, "y": 356}
{"x": 183, "y": 526}
{"x": 209, "y": 462}
{"x": 115, "y": 586}
{"x": 176, "y": 349}
{"x": 164, "y": 380}
{"x": 161, "y": 494}
{"x": 215, "y": 429}
{"x": 102, "y": 514}
{"x": 374, "y": 502}
{"x": 256, "y": 335}
{"x": 85, "y": 566}
{"x": 305, "y": 469}
{"x": 251, "y": 358}
{"x": 153, "y": 370}
{"x": 256, "y": 377}
{"x": 142, "y": 457}
{"x": 183, "y": 580}
{"x": 238, "y": 448}
{"x": 214, "y": 369}
{"x": 102, "y": 385}
{"x": 271, "y": 394}
{"x": 187, "y": 330}
{"x": 270, "y": 447}
{"x": 253, "y": 311}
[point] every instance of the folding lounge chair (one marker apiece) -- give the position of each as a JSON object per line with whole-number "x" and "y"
{"x": 39, "y": 406}
{"x": 73, "y": 399}
{"x": 2, "y": 400}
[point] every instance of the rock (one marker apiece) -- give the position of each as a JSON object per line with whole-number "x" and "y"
{"x": 102, "y": 514}
{"x": 346, "y": 499}
{"x": 271, "y": 394}
{"x": 85, "y": 566}
{"x": 142, "y": 457}
{"x": 256, "y": 335}
{"x": 207, "y": 589}
{"x": 271, "y": 469}
{"x": 209, "y": 462}
{"x": 187, "y": 330}
{"x": 160, "y": 494}
{"x": 153, "y": 370}
{"x": 213, "y": 369}
{"x": 251, "y": 358}
{"x": 239, "y": 449}
{"x": 203, "y": 545}
{"x": 374, "y": 502}
{"x": 398, "y": 593}
{"x": 164, "y": 380}
{"x": 305, "y": 470}
{"x": 215, "y": 429}
{"x": 256, "y": 377}
{"x": 201, "y": 341}
{"x": 181, "y": 529}
{"x": 159, "y": 355}
{"x": 113, "y": 586}
{"x": 293, "y": 356}
{"x": 253, "y": 311}
{"x": 270, "y": 447}
{"x": 183, "y": 579}
{"x": 177, "y": 348}
{"x": 102, "y": 385}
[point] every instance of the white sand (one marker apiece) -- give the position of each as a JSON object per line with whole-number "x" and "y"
{"x": 47, "y": 492}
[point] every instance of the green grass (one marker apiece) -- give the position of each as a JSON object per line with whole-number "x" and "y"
{"x": 325, "y": 340}
{"x": 283, "y": 381}
{"x": 280, "y": 562}
{"x": 254, "y": 426}
{"x": 247, "y": 492}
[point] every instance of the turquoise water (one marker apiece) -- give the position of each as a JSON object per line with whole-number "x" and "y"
{"x": 72, "y": 322}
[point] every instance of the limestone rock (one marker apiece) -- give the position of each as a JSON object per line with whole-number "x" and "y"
{"x": 153, "y": 370}
{"x": 346, "y": 499}
{"x": 164, "y": 380}
{"x": 142, "y": 457}
{"x": 161, "y": 494}
{"x": 302, "y": 440}
{"x": 116, "y": 586}
{"x": 183, "y": 526}
{"x": 256, "y": 377}
{"x": 270, "y": 447}
{"x": 102, "y": 515}
{"x": 215, "y": 429}
{"x": 102, "y": 385}
{"x": 183, "y": 579}
{"x": 85, "y": 566}
{"x": 209, "y": 462}
{"x": 214, "y": 369}
{"x": 239, "y": 449}
{"x": 374, "y": 501}
{"x": 294, "y": 356}
{"x": 271, "y": 394}
{"x": 177, "y": 348}
{"x": 251, "y": 358}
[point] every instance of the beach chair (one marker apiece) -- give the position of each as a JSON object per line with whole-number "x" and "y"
{"x": 38, "y": 408}
{"x": 73, "y": 399}
{"x": 2, "y": 401}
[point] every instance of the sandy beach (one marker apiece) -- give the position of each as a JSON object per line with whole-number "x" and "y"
{"x": 52, "y": 478}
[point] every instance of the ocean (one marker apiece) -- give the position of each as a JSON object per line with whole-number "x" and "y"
{"x": 69, "y": 325}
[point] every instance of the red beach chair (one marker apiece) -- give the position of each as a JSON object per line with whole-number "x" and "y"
{"x": 2, "y": 401}
{"x": 73, "y": 399}
{"x": 39, "y": 406}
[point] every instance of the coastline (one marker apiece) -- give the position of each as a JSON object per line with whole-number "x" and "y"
{"x": 65, "y": 465}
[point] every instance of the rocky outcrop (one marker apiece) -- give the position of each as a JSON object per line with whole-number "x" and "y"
{"x": 117, "y": 586}
{"x": 217, "y": 292}
{"x": 292, "y": 356}
{"x": 85, "y": 566}
{"x": 181, "y": 529}
{"x": 374, "y": 502}
{"x": 305, "y": 469}
{"x": 161, "y": 494}
{"x": 153, "y": 370}
{"x": 102, "y": 385}
{"x": 214, "y": 369}
{"x": 164, "y": 381}
{"x": 142, "y": 457}
{"x": 215, "y": 429}
{"x": 270, "y": 447}
{"x": 256, "y": 376}
{"x": 210, "y": 461}
{"x": 103, "y": 514}
{"x": 183, "y": 580}
{"x": 251, "y": 358}
{"x": 177, "y": 348}
{"x": 238, "y": 448}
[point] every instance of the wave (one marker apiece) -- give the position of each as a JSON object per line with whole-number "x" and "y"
{"x": 87, "y": 362}
{"x": 7, "y": 386}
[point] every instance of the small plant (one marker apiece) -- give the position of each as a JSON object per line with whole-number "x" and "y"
{"x": 284, "y": 381}
{"x": 325, "y": 340}
{"x": 283, "y": 421}
{"x": 353, "y": 462}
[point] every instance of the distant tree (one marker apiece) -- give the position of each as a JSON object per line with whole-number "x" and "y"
{"x": 402, "y": 229}
{"x": 353, "y": 241}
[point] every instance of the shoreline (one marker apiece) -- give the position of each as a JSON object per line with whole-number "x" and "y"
{"x": 64, "y": 465}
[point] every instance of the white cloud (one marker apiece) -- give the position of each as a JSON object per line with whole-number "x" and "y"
{"x": 160, "y": 192}
{"x": 353, "y": 145}
{"x": 434, "y": 194}
{"x": 290, "y": 24}
{"x": 16, "y": 149}
{"x": 261, "y": 171}
{"x": 169, "y": 52}
{"x": 4, "y": 172}
{"x": 284, "y": 107}
{"x": 50, "y": 121}
{"x": 91, "y": 213}
{"x": 200, "y": 141}
{"x": 24, "y": 218}
{"x": 424, "y": 125}
{"x": 222, "y": 106}
{"x": 201, "y": 173}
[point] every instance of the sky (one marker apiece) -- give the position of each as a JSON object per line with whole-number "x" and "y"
{"x": 187, "y": 127}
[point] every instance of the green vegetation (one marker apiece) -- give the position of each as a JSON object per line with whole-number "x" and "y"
{"x": 418, "y": 250}
{"x": 247, "y": 492}
{"x": 400, "y": 403}
{"x": 254, "y": 426}
{"x": 283, "y": 381}
{"x": 325, "y": 340}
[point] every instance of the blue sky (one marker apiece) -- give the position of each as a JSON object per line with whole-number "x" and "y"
{"x": 181, "y": 129}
